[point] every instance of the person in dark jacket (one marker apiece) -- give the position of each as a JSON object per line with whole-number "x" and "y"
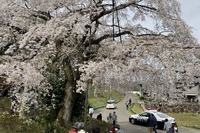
{"x": 151, "y": 123}
{"x": 154, "y": 123}
{"x": 99, "y": 116}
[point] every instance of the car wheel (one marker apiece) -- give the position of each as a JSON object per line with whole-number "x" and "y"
{"x": 133, "y": 121}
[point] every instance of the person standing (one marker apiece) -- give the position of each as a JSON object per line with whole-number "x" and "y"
{"x": 150, "y": 123}
{"x": 154, "y": 123}
{"x": 130, "y": 102}
{"x": 109, "y": 118}
{"x": 99, "y": 116}
{"x": 114, "y": 117}
{"x": 127, "y": 103}
{"x": 167, "y": 125}
{"x": 91, "y": 111}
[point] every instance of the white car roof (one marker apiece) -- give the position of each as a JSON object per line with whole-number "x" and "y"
{"x": 160, "y": 114}
{"x": 151, "y": 111}
{"x": 111, "y": 101}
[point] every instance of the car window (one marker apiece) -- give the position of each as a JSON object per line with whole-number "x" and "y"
{"x": 162, "y": 115}
{"x": 110, "y": 102}
{"x": 145, "y": 114}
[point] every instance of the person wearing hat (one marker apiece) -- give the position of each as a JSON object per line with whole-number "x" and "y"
{"x": 81, "y": 128}
{"x": 74, "y": 128}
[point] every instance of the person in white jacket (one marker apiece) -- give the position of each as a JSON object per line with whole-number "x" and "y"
{"x": 167, "y": 125}
{"x": 91, "y": 111}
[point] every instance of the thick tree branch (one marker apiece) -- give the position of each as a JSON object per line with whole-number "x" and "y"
{"x": 106, "y": 36}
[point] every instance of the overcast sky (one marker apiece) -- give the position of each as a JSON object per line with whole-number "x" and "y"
{"x": 191, "y": 15}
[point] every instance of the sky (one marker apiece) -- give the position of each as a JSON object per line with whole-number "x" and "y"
{"x": 191, "y": 15}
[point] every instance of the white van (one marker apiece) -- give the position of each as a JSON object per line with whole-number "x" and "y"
{"x": 111, "y": 104}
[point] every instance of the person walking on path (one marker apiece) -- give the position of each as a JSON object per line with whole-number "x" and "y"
{"x": 127, "y": 103}
{"x": 109, "y": 118}
{"x": 151, "y": 121}
{"x": 130, "y": 102}
{"x": 114, "y": 117}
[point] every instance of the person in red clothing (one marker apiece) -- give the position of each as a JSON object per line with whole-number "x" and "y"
{"x": 74, "y": 128}
{"x": 111, "y": 129}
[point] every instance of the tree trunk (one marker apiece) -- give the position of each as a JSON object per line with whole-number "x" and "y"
{"x": 64, "y": 115}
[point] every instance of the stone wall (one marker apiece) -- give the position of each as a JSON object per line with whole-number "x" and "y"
{"x": 176, "y": 108}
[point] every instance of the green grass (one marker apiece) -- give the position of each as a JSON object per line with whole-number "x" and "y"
{"x": 189, "y": 120}
{"x": 136, "y": 108}
{"x": 98, "y": 102}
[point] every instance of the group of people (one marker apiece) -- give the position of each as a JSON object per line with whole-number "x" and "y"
{"x": 168, "y": 126}
{"x": 112, "y": 118}
{"x": 114, "y": 126}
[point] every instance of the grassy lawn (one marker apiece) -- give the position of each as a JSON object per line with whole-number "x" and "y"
{"x": 136, "y": 108}
{"x": 98, "y": 102}
{"x": 189, "y": 120}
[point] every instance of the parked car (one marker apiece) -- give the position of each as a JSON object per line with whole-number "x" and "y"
{"x": 111, "y": 104}
{"x": 142, "y": 118}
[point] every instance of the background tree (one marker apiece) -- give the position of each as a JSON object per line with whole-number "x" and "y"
{"x": 51, "y": 48}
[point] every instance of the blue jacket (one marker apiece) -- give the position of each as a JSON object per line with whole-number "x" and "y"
{"x": 151, "y": 121}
